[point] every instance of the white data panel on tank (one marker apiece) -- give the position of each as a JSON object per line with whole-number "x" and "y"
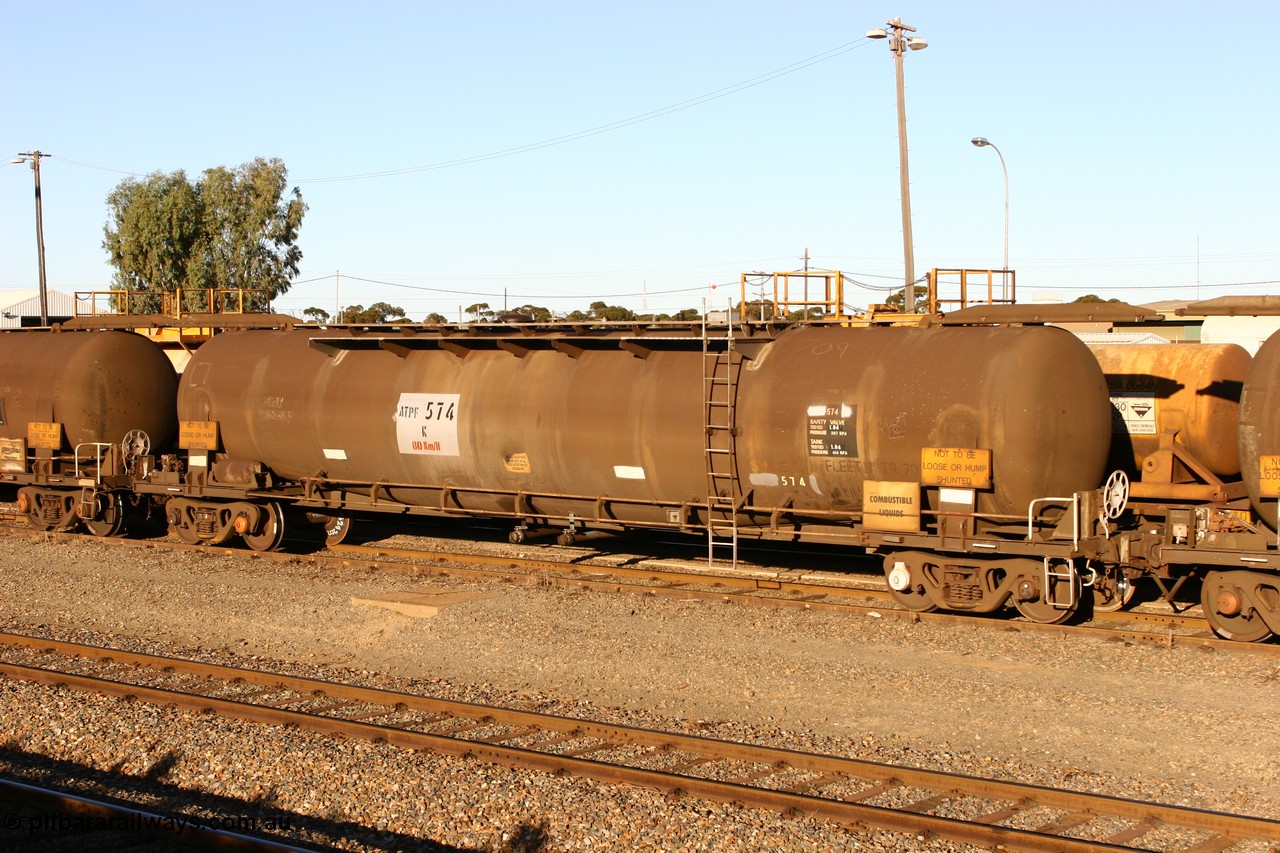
{"x": 427, "y": 424}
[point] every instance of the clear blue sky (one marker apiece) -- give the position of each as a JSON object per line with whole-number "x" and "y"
{"x": 1140, "y": 139}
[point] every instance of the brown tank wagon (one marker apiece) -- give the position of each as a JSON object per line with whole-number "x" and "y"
{"x": 78, "y": 406}
{"x": 819, "y": 411}
{"x": 99, "y": 386}
{"x": 969, "y": 454}
{"x": 795, "y": 433}
{"x": 1259, "y": 437}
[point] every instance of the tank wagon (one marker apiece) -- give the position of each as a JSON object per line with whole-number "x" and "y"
{"x": 1175, "y": 416}
{"x": 78, "y": 414}
{"x": 972, "y": 458}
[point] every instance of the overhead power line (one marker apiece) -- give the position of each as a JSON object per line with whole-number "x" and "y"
{"x": 604, "y": 128}
{"x": 568, "y": 137}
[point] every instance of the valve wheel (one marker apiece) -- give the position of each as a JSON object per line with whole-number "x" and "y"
{"x": 1115, "y": 495}
{"x": 136, "y": 443}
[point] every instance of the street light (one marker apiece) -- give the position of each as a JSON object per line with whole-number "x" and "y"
{"x": 981, "y": 142}
{"x": 33, "y": 157}
{"x": 898, "y": 45}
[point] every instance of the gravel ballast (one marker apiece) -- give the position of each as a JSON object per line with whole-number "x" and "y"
{"x": 1179, "y": 726}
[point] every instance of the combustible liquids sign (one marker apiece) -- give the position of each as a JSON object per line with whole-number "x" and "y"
{"x": 891, "y": 506}
{"x": 955, "y": 466}
{"x": 48, "y": 436}
{"x": 427, "y": 424}
{"x": 1269, "y": 476}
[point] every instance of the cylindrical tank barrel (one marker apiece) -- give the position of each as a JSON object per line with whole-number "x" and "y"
{"x": 1191, "y": 390}
{"x": 1032, "y": 395}
{"x": 1260, "y": 430}
{"x": 631, "y": 423}
{"x": 99, "y": 385}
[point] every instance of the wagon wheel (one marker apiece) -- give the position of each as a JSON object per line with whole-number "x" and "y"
{"x": 272, "y": 532}
{"x": 1112, "y": 591}
{"x": 906, "y": 585}
{"x": 334, "y": 527}
{"x": 181, "y": 524}
{"x": 1228, "y": 612}
{"x": 110, "y": 512}
{"x": 1036, "y": 602}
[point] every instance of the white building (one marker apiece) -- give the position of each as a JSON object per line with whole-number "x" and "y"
{"x": 20, "y": 308}
{"x": 1248, "y": 332}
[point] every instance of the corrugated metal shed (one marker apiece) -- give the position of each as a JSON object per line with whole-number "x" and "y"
{"x": 22, "y": 307}
{"x": 1092, "y": 338}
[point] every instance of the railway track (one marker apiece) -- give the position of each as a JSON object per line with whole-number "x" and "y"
{"x": 787, "y": 589}
{"x": 792, "y": 589}
{"x": 859, "y": 794}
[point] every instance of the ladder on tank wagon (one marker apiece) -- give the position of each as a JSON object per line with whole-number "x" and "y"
{"x": 721, "y": 365}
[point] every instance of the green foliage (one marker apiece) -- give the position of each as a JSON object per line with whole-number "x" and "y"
{"x": 1091, "y": 298}
{"x": 812, "y": 313}
{"x": 921, "y": 293}
{"x": 378, "y": 312}
{"x": 762, "y": 309}
{"x": 536, "y": 312}
{"x": 603, "y": 311}
{"x": 158, "y": 224}
{"x": 480, "y": 311}
{"x": 316, "y": 315}
{"x": 230, "y": 230}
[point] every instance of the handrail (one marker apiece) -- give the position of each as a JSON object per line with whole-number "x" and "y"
{"x": 1074, "y": 501}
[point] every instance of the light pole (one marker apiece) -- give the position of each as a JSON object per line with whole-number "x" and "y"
{"x": 33, "y": 157}
{"x": 898, "y": 45}
{"x": 981, "y": 142}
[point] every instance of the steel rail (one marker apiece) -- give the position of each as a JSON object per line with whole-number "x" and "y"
{"x": 760, "y": 580}
{"x": 512, "y": 738}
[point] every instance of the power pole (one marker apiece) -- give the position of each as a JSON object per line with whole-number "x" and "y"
{"x": 898, "y": 45}
{"x": 33, "y": 157}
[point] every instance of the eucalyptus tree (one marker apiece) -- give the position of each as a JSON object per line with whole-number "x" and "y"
{"x": 231, "y": 230}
